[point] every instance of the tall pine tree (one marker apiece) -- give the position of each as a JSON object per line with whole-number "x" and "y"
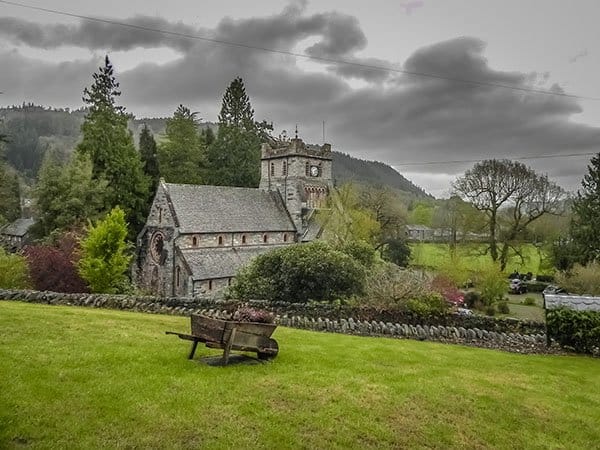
{"x": 109, "y": 144}
{"x": 586, "y": 208}
{"x": 234, "y": 157}
{"x": 149, "y": 155}
{"x": 182, "y": 154}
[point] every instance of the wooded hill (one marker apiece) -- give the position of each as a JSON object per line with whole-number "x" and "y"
{"x": 34, "y": 130}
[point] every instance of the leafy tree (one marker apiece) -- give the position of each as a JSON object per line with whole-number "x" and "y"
{"x": 397, "y": 251}
{"x": 234, "y": 157}
{"x": 66, "y": 196}
{"x": 458, "y": 218}
{"x": 208, "y": 136}
{"x": 14, "y": 273}
{"x": 10, "y": 194}
{"x": 586, "y": 208}
{"x": 182, "y": 154}
{"x": 512, "y": 196}
{"x": 53, "y": 267}
{"x": 299, "y": 273}
{"x": 387, "y": 209}
{"x": 109, "y": 144}
{"x": 104, "y": 254}
{"x": 149, "y": 155}
{"x": 422, "y": 214}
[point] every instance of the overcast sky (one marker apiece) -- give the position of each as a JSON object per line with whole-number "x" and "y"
{"x": 384, "y": 115}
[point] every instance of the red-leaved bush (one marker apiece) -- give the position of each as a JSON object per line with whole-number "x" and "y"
{"x": 54, "y": 267}
{"x": 448, "y": 290}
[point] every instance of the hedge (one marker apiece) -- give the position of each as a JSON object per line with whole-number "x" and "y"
{"x": 579, "y": 330}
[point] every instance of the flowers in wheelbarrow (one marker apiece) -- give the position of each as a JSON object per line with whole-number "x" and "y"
{"x": 247, "y": 314}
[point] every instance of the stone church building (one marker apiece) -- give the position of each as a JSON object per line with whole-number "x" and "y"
{"x": 196, "y": 237}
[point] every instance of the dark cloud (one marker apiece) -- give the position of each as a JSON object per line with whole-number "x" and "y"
{"x": 396, "y": 118}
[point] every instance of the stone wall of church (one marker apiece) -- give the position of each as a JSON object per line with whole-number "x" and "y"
{"x": 211, "y": 240}
{"x": 155, "y": 267}
{"x": 204, "y": 287}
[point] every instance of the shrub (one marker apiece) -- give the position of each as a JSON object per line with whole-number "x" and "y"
{"x": 397, "y": 251}
{"x": 360, "y": 251}
{"x": 472, "y": 298}
{"x": 247, "y": 314}
{"x": 490, "y": 310}
{"x": 14, "y": 273}
{"x": 536, "y": 286}
{"x": 581, "y": 280}
{"x": 426, "y": 305}
{"x": 545, "y": 278}
{"x": 491, "y": 282}
{"x": 579, "y": 330}
{"x": 448, "y": 290}
{"x": 503, "y": 307}
{"x": 53, "y": 268}
{"x": 529, "y": 301}
{"x": 299, "y": 273}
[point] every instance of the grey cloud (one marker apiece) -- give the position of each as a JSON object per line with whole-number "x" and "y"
{"x": 97, "y": 35}
{"x": 578, "y": 56}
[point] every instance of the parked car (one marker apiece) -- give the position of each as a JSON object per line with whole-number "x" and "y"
{"x": 517, "y": 286}
{"x": 553, "y": 289}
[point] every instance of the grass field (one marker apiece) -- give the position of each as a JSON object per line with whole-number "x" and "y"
{"x": 436, "y": 255}
{"x": 87, "y": 378}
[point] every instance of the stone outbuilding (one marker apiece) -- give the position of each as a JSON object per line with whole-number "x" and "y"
{"x": 15, "y": 235}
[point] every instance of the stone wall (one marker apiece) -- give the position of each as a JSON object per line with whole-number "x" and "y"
{"x": 457, "y": 329}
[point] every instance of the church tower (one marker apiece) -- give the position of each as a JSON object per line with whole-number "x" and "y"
{"x": 302, "y": 175}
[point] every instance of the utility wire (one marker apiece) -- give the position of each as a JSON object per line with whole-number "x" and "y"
{"x": 520, "y": 158}
{"x": 295, "y": 54}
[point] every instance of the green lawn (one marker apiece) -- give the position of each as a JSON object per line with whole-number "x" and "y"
{"x": 472, "y": 255}
{"x": 88, "y": 378}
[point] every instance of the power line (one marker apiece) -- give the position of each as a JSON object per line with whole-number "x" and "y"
{"x": 296, "y": 54}
{"x": 520, "y": 158}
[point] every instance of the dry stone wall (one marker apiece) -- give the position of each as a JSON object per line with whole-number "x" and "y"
{"x": 459, "y": 332}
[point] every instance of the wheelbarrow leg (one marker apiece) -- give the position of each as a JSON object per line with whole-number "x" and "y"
{"x": 228, "y": 347}
{"x": 194, "y": 345}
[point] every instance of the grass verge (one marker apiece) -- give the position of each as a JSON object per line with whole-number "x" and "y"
{"x": 86, "y": 378}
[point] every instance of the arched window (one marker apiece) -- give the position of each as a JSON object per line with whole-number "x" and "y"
{"x": 243, "y": 238}
{"x": 272, "y": 169}
{"x": 220, "y": 240}
{"x": 284, "y": 169}
{"x": 159, "y": 215}
{"x": 284, "y": 237}
{"x": 177, "y": 276}
{"x": 265, "y": 238}
{"x": 194, "y": 241}
{"x": 307, "y": 169}
{"x": 210, "y": 285}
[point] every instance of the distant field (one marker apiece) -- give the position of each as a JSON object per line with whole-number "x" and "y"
{"x": 437, "y": 255}
{"x": 90, "y": 378}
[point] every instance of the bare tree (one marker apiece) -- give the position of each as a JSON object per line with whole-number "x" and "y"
{"x": 512, "y": 196}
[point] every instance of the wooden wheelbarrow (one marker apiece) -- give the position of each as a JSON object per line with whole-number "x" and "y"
{"x": 231, "y": 335}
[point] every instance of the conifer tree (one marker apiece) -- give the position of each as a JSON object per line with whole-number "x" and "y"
{"x": 182, "y": 154}
{"x": 109, "y": 144}
{"x": 234, "y": 157}
{"x": 586, "y": 208}
{"x": 149, "y": 155}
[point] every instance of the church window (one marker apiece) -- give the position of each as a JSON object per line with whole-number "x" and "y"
{"x": 272, "y": 169}
{"x": 285, "y": 237}
{"x": 284, "y": 169}
{"x": 265, "y": 238}
{"x": 159, "y": 215}
{"x": 177, "y": 276}
{"x": 210, "y": 285}
{"x": 194, "y": 241}
{"x": 307, "y": 169}
{"x": 228, "y": 281}
{"x": 220, "y": 240}
{"x": 243, "y": 239}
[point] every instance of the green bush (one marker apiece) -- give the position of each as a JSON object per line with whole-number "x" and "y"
{"x": 491, "y": 282}
{"x": 579, "y": 330}
{"x": 529, "y": 301}
{"x": 427, "y": 305}
{"x": 581, "y": 280}
{"x": 299, "y": 273}
{"x": 472, "y": 298}
{"x": 536, "y": 286}
{"x": 14, "y": 272}
{"x": 360, "y": 251}
{"x": 490, "y": 310}
{"x": 503, "y": 308}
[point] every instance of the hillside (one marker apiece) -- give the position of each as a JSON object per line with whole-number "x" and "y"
{"x": 35, "y": 130}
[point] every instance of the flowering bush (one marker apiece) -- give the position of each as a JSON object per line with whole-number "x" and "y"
{"x": 448, "y": 290}
{"x": 246, "y": 314}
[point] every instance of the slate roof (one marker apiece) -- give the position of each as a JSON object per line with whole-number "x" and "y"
{"x": 216, "y": 209}
{"x": 576, "y": 302}
{"x": 220, "y": 263}
{"x": 17, "y": 228}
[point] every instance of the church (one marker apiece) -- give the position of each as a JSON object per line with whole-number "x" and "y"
{"x": 196, "y": 237}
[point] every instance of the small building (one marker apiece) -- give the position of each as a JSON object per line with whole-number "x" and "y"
{"x": 15, "y": 235}
{"x": 418, "y": 233}
{"x": 197, "y": 237}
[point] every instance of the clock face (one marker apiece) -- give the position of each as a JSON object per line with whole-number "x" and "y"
{"x": 314, "y": 171}
{"x": 156, "y": 246}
